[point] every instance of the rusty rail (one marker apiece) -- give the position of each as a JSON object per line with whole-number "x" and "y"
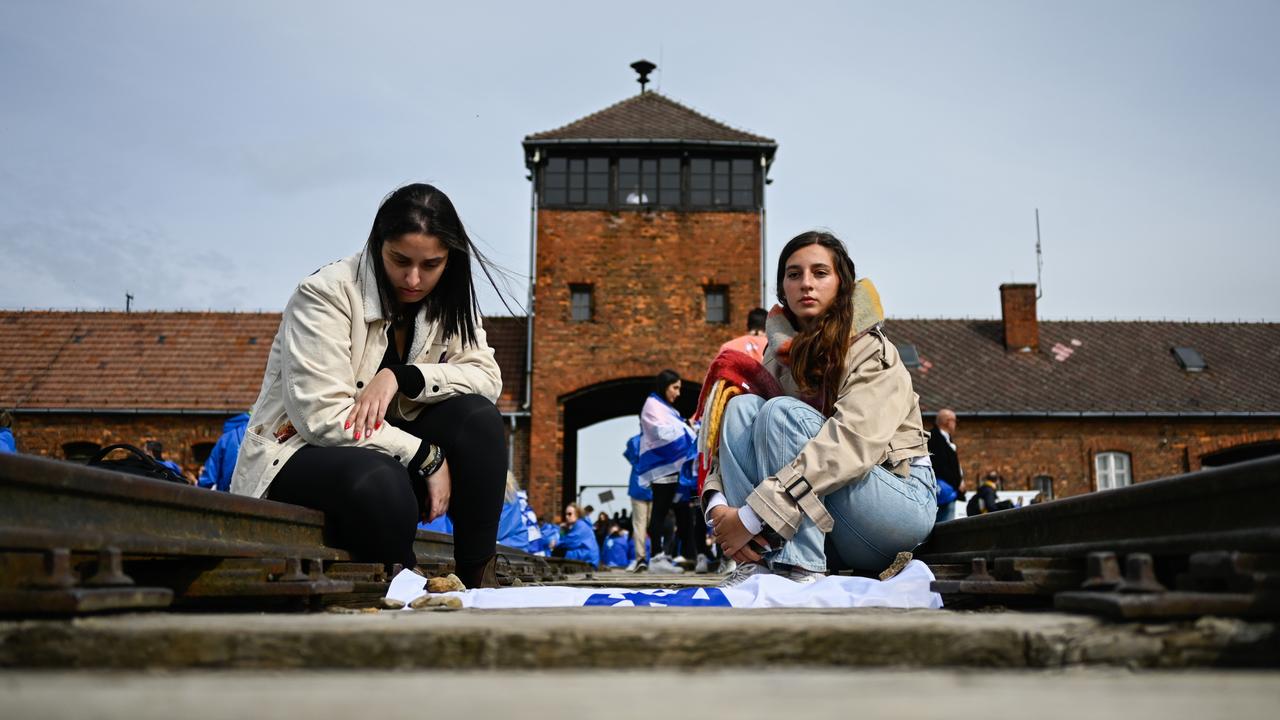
{"x": 1206, "y": 542}
{"x": 75, "y": 539}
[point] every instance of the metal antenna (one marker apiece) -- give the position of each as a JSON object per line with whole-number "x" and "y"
{"x": 643, "y": 68}
{"x": 128, "y": 301}
{"x": 1039, "y": 259}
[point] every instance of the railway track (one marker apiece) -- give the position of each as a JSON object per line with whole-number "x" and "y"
{"x": 1202, "y": 543}
{"x": 76, "y": 540}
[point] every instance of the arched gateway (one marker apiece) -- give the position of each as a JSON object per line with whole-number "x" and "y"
{"x": 648, "y": 229}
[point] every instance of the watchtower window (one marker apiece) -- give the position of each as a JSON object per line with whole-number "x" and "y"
{"x": 649, "y": 181}
{"x": 721, "y": 183}
{"x": 717, "y": 302}
{"x": 580, "y": 303}
{"x": 576, "y": 181}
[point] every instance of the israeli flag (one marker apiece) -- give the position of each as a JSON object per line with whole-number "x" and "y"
{"x": 909, "y": 589}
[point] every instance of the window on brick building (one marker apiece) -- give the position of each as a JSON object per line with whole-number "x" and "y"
{"x": 1113, "y": 470}
{"x": 580, "y": 307}
{"x": 576, "y": 181}
{"x": 910, "y": 356}
{"x": 722, "y": 183}
{"x": 200, "y": 452}
{"x": 649, "y": 181}
{"x": 717, "y": 302}
{"x": 80, "y": 451}
{"x": 1043, "y": 484}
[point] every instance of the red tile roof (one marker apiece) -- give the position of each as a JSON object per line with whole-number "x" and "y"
{"x": 213, "y": 362}
{"x": 648, "y": 116}
{"x": 166, "y": 361}
{"x": 1107, "y": 367}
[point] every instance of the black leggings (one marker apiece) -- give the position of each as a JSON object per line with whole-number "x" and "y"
{"x": 369, "y": 501}
{"x": 664, "y": 499}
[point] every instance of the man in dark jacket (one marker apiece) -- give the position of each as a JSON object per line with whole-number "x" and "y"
{"x": 946, "y": 464}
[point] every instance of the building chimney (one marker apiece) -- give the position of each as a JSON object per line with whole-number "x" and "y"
{"x": 1018, "y": 310}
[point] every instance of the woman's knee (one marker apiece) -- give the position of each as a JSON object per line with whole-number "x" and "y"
{"x": 786, "y": 418}
{"x": 480, "y": 421}
{"x": 382, "y": 488}
{"x": 740, "y": 415}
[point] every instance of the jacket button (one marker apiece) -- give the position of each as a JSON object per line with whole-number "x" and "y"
{"x": 276, "y": 461}
{"x": 397, "y": 458}
{"x": 359, "y": 383}
{"x": 435, "y": 388}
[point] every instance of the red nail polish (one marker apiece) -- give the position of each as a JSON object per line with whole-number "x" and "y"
{"x": 347, "y": 426}
{"x": 377, "y": 425}
{"x": 357, "y": 434}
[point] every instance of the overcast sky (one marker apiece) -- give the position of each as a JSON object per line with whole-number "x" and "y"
{"x": 210, "y": 154}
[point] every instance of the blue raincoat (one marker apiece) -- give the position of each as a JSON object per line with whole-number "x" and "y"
{"x": 580, "y": 542}
{"x": 218, "y": 469}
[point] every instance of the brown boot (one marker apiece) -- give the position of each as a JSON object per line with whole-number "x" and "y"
{"x": 483, "y": 574}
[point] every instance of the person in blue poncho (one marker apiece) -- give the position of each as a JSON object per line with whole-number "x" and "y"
{"x": 578, "y": 541}
{"x": 156, "y": 450}
{"x": 7, "y": 444}
{"x": 641, "y": 502}
{"x": 617, "y": 547}
{"x": 515, "y": 529}
{"x": 221, "y": 464}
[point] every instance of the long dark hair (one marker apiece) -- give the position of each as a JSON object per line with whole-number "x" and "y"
{"x": 663, "y": 380}
{"x": 817, "y": 353}
{"x": 424, "y": 209}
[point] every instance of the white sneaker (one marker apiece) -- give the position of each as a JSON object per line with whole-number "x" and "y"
{"x": 631, "y": 566}
{"x": 727, "y": 565}
{"x": 703, "y": 565}
{"x": 678, "y": 560}
{"x": 797, "y": 574}
{"x": 663, "y": 565}
{"x": 744, "y": 572}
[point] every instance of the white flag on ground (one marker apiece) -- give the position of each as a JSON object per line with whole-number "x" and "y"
{"x": 909, "y": 589}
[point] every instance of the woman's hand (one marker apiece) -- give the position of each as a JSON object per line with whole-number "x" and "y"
{"x": 371, "y": 404}
{"x": 732, "y": 535}
{"x": 439, "y": 485}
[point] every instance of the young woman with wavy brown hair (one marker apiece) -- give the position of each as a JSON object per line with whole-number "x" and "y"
{"x": 842, "y": 455}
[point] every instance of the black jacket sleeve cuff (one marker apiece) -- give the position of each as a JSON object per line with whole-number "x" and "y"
{"x": 415, "y": 463}
{"x": 409, "y": 378}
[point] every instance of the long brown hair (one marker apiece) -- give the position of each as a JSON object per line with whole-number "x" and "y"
{"x": 817, "y": 353}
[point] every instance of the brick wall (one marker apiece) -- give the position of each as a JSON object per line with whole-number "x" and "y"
{"x": 648, "y": 271}
{"x": 1020, "y": 448}
{"x": 45, "y": 434}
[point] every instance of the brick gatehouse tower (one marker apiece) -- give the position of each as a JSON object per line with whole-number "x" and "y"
{"x": 648, "y": 223}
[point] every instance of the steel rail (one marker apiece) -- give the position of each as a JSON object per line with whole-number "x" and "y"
{"x": 47, "y": 504}
{"x": 1226, "y": 508}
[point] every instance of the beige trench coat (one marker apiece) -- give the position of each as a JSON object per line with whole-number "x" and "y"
{"x": 876, "y": 421}
{"x": 331, "y": 340}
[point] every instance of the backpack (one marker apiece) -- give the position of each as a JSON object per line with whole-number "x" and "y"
{"x": 974, "y": 506}
{"x": 136, "y": 463}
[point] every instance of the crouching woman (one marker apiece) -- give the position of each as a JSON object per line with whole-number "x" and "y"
{"x": 842, "y": 455}
{"x": 377, "y": 406}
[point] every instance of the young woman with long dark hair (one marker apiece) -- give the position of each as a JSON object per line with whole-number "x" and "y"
{"x": 377, "y": 406}
{"x": 842, "y": 455}
{"x": 667, "y": 449}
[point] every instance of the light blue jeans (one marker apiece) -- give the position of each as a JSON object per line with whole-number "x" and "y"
{"x": 876, "y": 516}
